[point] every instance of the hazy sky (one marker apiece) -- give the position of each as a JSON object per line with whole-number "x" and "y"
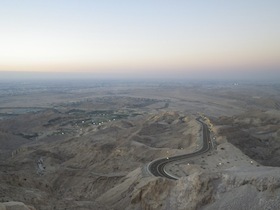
{"x": 180, "y": 37}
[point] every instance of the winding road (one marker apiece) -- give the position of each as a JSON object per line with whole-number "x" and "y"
{"x": 156, "y": 167}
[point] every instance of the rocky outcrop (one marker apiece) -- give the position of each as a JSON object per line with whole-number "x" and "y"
{"x": 13, "y": 205}
{"x": 186, "y": 193}
{"x": 247, "y": 188}
{"x": 153, "y": 195}
{"x": 236, "y": 188}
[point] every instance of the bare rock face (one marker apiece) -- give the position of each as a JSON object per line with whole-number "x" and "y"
{"x": 154, "y": 195}
{"x": 248, "y": 188}
{"x": 193, "y": 192}
{"x": 186, "y": 193}
{"x": 13, "y": 205}
{"x": 235, "y": 188}
{"x": 2, "y": 206}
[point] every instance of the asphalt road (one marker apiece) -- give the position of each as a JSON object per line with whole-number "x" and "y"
{"x": 156, "y": 167}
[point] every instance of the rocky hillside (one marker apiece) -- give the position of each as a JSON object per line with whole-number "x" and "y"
{"x": 80, "y": 172}
{"x": 235, "y": 188}
{"x": 256, "y": 133}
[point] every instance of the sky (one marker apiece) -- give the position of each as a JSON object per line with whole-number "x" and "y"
{"x": 169, "y": 38}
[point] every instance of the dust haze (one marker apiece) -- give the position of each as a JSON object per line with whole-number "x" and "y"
{"x": 159, "y": 75}
{"x": 88, "y": 144}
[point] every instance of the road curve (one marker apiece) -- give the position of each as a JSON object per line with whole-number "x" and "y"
{"x": 156, "y": 167}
